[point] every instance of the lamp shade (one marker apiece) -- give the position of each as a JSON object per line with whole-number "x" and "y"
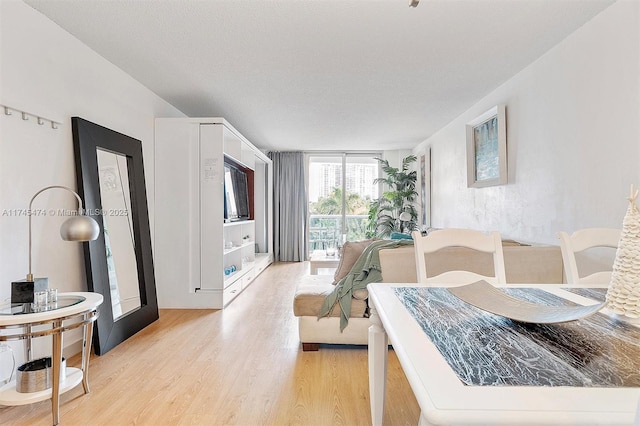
{"x": 76, "y": 228}
{"x": 79, "y": 228}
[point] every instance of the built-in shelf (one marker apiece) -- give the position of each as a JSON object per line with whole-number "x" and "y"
{"x": 262, "y": 256}
{"x": 234, "y": 276}
{"x": 228, "y": 279}
{"x": 248, "y": 265}
{"x": 195, "y": 241}
{"x": 238, "y": 223}
{"x": 236, "y": 248}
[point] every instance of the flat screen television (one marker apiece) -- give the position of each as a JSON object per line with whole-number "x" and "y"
{"x": 236, "y": 193}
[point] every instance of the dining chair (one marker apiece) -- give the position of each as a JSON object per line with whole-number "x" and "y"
{"x": 469, "y": 238}
{"x": 580, "y": 241}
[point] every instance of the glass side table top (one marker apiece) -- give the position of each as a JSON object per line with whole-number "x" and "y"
{"x": 26, "y": 308}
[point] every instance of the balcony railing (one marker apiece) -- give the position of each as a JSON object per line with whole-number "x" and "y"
{"x": 325, "y": 230}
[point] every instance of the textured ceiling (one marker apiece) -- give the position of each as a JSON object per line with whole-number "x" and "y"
{"x": 311, "y": 74}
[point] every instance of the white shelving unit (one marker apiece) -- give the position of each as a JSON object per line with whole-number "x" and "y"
{"x": 194, "y": 247}
{"x": 241, "y": 257}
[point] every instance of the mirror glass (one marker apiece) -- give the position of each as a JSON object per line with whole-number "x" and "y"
{"x": 118, "y": 233}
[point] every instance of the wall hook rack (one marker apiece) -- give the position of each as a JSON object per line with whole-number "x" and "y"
{"x": 27, "y": 115}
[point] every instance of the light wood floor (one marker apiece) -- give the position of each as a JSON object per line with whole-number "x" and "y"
{"x": 240, "y": 366}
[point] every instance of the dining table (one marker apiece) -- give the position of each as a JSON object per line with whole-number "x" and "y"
{"x": 468, "y": 366}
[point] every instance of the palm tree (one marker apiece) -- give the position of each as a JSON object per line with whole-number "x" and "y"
{"x": 332, "y": 203}
{"x": 395, "y": 210}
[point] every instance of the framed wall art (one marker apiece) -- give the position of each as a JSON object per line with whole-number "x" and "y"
{"x": 487, "y": 149}
{"x": 425, "y": 188}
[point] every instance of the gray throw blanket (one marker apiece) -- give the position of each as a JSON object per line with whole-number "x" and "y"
{"x": 366, "y": 270}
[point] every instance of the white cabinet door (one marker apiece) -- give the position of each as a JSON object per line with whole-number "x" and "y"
{"x": 211, "y": 206}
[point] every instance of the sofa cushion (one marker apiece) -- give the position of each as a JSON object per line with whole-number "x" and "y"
{"x": 398, "y": 265}
{"x": 351, "y": 251}
{"x": 310, "y": 294}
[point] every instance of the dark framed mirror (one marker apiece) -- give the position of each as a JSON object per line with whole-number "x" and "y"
{"x": 119, "y": 264}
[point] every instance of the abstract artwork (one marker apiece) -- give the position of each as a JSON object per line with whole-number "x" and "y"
{"x": 425, "y": 188}
{"x": 487, "y": 149}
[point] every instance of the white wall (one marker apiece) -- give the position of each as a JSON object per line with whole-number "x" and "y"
{"x": 46, "y": 71}
{"x": 573, "y": 135}
{"x": 395, "y": 157}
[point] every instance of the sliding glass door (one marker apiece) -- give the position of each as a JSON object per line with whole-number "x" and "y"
{"x": 341, "y": 189}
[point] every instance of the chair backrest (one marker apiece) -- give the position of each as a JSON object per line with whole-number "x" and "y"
{"x": 581, "y": 240}
{"x": 476, "y": 240}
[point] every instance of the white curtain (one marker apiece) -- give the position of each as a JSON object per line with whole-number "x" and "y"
{"x": 289, "y": 206}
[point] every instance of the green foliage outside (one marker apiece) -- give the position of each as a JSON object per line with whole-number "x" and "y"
{"x": 357, "y": 209}
{"x": 399, "y": 197}
{"x": 332, "y": 204}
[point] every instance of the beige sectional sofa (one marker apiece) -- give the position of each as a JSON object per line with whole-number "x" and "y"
{"x": 523, "y": 264}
